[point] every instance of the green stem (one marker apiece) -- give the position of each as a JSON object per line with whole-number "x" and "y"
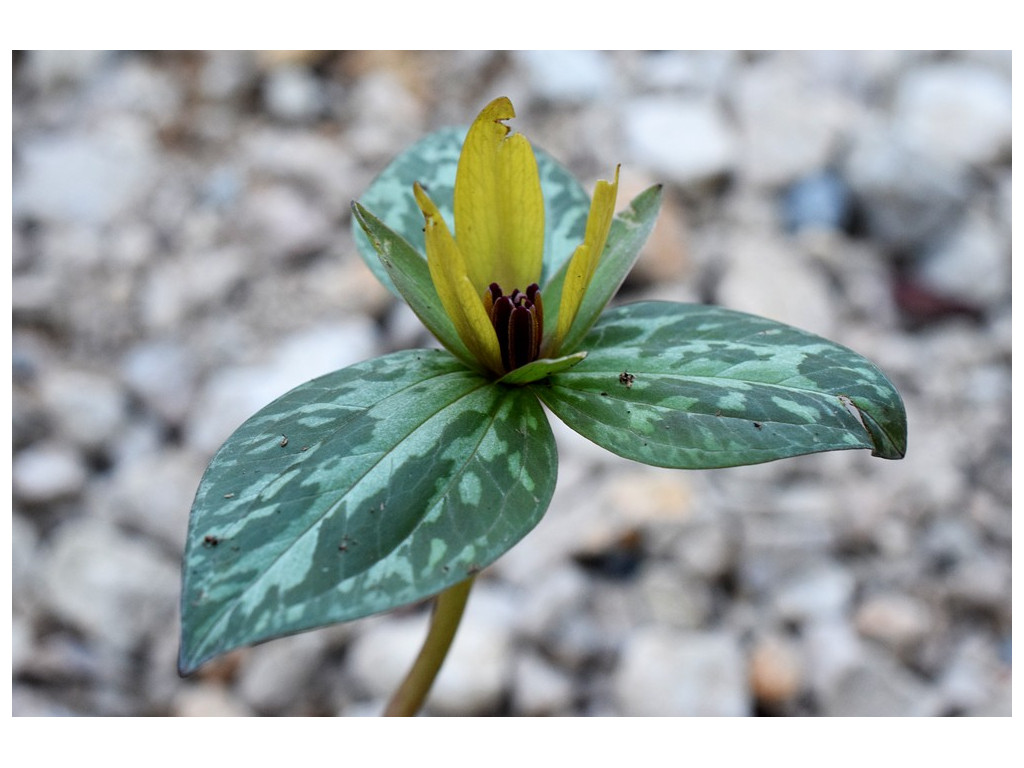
{"x": 448, "y": 609}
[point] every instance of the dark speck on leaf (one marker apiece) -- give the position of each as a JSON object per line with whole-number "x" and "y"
{"x": 758, "y": 425}
{"x": 604, "y": 394}
{"x": 626, "y": 379}
{"x": 210, "y": 541}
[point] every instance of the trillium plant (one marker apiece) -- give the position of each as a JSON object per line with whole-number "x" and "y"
{"x": 400, "y": 478}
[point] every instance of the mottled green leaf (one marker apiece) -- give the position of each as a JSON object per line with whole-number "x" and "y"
{"x": 432, "y": 162}
{"x": 630, "y": 230}
{"x": 369, "y": 488}
{"x": 410, "y": 274}
{"x": 693, "y": 386}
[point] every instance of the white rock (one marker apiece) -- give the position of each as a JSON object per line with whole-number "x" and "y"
{"x": 908, "y": 196}
{"x": 139, "y": 87}
{"x": 163, "y": 375}
{"x": 823, "y": 591}
{"x": 686, "y": 141}
{"x": 47, "y": 472}
{"x": 478, "y": 674}
{"x": 706, "y": 72}
{"x": 87, "y": 178}
{"x": 208, "y": 700}
{"x": 178, "y": 288}
{"x": 672, "y": 599}
{"x": 51, "y": 69}
{"x": 983, "y": 582}
{"x": 707, "y": 549}
{"x": 478, "y": 670}
{"x": 972, "y": 264}
{"x": 114, "y": 587}
{"x": 568, "y": 76}
{"x": 789, "y": 125}
{"x": 895, "y": 619}
{"x": 87, "y": 408}
{"x": 768, "y": 277}
{"x": 561, "y": 591}
{"x": 970, "y": 680}
{"x": 234, "y": 394}
{"x": 28, "y": 701}
{"x": 538, "y": 688}
{"x": 225, "y": 74}
{"x": 290, "y": 154}
{"x": 879, "y": 687}
{"x": 956, "y": 111}
{"x": 274, "y": 675}
{"x": 833, "y": 650}
{"x": 473, "y": 677}
{"x": 286, "y": 223}
{"x": 385, "y": 115}
{"x": 383, "y": 652}
{"x": 22, "y": 643}
{"x": 153, "y": 493}
{"x": 24, "y": 562}
{"x": 665, "y": 673}
{"x": 292, "y": 93}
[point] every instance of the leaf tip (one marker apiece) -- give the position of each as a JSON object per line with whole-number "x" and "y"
{"x": 886, "y": 426}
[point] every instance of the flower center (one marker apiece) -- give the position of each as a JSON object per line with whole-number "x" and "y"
{"x": 518, "y": 319}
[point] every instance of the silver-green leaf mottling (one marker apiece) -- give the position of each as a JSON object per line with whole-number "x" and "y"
{"x": 368, "y": 488}
{"x": 693, "y": 386}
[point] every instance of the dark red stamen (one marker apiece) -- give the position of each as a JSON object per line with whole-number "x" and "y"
{"x": 518, "y": 320}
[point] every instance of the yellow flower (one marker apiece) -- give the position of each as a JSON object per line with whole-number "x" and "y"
{"x": 487, "y": 274}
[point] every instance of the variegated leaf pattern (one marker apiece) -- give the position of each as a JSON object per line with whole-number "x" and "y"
{"x": 694, "y": 387}
{"x": 365, "y": 489}
{"x": 432, "y": 162}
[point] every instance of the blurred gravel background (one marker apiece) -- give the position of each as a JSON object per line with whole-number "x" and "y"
{"x": 182, "y": 254}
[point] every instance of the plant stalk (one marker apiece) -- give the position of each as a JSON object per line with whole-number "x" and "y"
{"x": 448, "y": 608}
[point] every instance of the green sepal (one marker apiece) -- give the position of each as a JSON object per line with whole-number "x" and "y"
{"x": 409, "y": 273}
{"x": 432, "y": 162}
{"x": 630, "y": 230}
{"x": 540, "y": 369}
{"x": 362, "y": 490}
{"x": 695, "y": 387}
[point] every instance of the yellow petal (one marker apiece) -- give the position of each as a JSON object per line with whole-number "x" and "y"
{"x": 499, "y": 207}
{"x": 585, "y": 258}
{"x": 460, "y": 299}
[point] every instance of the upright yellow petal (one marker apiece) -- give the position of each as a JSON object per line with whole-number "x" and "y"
{"x": 585, "y": 258}
{"x": 460, "y": 299}
{"x": 499, "y": 207}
